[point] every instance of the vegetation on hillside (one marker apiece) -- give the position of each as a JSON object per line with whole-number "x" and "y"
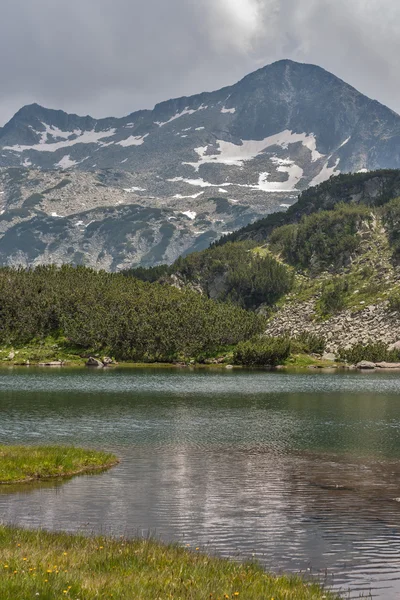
{"x": 21, "y": 464}
{"x": 351, "y": 188}
{"x": 117, "y": 315}
{"x": 262, "y": 351}
{"x": 391, "y": 218}
{"x": 235, "y": 273}
{"x": 372, "y": 352}
{"x": 37, "y": 564}
{"x": 322, "y": 241}
{"x": 232, "y": 272}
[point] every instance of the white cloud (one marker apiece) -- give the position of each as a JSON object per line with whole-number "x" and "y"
{"x": 127, "y": 55}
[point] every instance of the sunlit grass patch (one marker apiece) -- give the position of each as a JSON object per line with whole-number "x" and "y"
{"x": 19, "y": 464}
{"x": 36, "y": 564}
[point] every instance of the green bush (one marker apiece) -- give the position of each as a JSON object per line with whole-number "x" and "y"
{"x": 333, "y": 297}
{"x": 322, "y": 240}
{"x": 308, "y": 343}
{"x": 117, "y": 315}
{"x": 391, "y": 218}
{"x": 394, "y": 302}
{"x": 262, "y": 351}
{"x": 236, "y": 273}
{"x": 373, "y": 352}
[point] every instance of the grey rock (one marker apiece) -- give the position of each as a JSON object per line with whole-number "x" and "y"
{"x": 94, "y": 362}
{"x": 138, "y": 190}
{"x": 329, "y": 356}
{"x": 52, "y": 363}
{"x": 365, "y": 365}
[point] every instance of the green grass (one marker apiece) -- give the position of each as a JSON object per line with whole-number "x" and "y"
{"x": 21, "y": 464}
{"x": 45, "y": 350}
{"x": 36, "y": 564}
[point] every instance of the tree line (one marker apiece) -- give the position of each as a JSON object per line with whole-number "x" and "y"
{"x": 118, "y": 315}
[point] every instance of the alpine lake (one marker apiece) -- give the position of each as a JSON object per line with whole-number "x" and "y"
{"x": 297, "y": 470}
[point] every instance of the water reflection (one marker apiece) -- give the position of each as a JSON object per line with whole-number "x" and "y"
{"x": 297, "y": 470}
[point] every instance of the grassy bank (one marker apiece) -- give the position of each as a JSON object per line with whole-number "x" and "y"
{"x": 20, "y": 464}
{"x": 47, "y": 566}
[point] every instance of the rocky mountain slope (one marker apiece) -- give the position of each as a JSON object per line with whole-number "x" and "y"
{"x": 254, "y": 146}
{"x": 340, "y": 242}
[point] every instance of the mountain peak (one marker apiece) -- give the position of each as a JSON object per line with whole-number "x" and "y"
{"x": 199, "y": 166}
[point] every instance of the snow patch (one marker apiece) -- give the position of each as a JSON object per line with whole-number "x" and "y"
{"x": 345, "y": 142}
{"x": 194, "y": 196}
{"x": 228, "y": 110}
{"x": 186, "y": 111}
{"x": 363, "y": 171}
{"x": 133, "y": 140}
{"x": 191, "y": 214}
{"x": 66, "y": 163}
{"x": 81, "y": 137}
{"x": 326, "y": 173}
{"x": 235, "y": 155}
{"x": 124, "y": 161}
{"x": 197, "y": 182}
{"x": 27, "y": 163}
{"x": 134, "y": 189}
{"x": 54, "y": 214}
{"x": 295, "y": 174}
{"x": 222, "y": 191}
{"x": 199, "y": 128}
{"x": 78, "y": 223}
{"x": 285, "y": 205}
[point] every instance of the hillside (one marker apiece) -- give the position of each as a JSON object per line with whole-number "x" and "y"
{"x": 146, "y": 188}
{"x": 332, "y": 270}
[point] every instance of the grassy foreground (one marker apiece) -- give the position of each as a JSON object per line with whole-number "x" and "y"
{"x": 37, "y": 564}
{"x": 20, "y": 464}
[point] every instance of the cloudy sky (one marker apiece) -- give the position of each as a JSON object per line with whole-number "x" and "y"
{"x": 111, "y": 57}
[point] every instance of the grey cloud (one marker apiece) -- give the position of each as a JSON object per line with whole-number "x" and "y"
{"x": 111, "y": 57}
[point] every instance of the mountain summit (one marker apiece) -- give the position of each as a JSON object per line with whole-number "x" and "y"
{"x": 253, "y": 146}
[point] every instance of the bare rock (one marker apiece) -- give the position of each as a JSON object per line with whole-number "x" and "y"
{"x": 366, "y": 365}
{"x": 94, "y": 362}
{"x": 395, "y": 346}
{"x": 52, "y": 363}
{"x": 329, "y": 356}
{"x": 386, "y": 365}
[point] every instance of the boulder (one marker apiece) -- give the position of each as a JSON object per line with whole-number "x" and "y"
{"x": 94, "y": 362}
{"x": 395, "y": 346}
{"x": 51, "y": 363}
{"x": 329, "y": 356}
{"x": 107, "y": 361}
{"x": 366, "y": 365}
{"x": 386, "y": 365}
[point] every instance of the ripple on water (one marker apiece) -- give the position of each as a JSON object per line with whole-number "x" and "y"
{"x": 300, "y": 471}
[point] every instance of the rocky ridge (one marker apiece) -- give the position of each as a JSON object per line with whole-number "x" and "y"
{"x": 375, "y": 323}
{"x": 253, "y": 146}
{"x": 372, "y": 277}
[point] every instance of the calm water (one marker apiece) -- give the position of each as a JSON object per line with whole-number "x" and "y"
{"x": 299, "y": 470}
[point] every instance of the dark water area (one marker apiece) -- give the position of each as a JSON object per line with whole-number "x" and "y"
{"x": 300, "y": 471}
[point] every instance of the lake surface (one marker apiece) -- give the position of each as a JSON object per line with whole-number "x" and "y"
{"x": 301, "y": 471}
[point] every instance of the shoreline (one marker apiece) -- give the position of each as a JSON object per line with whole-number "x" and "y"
{"x": 25, "y": 464}
{"x": 40, "y": 563}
